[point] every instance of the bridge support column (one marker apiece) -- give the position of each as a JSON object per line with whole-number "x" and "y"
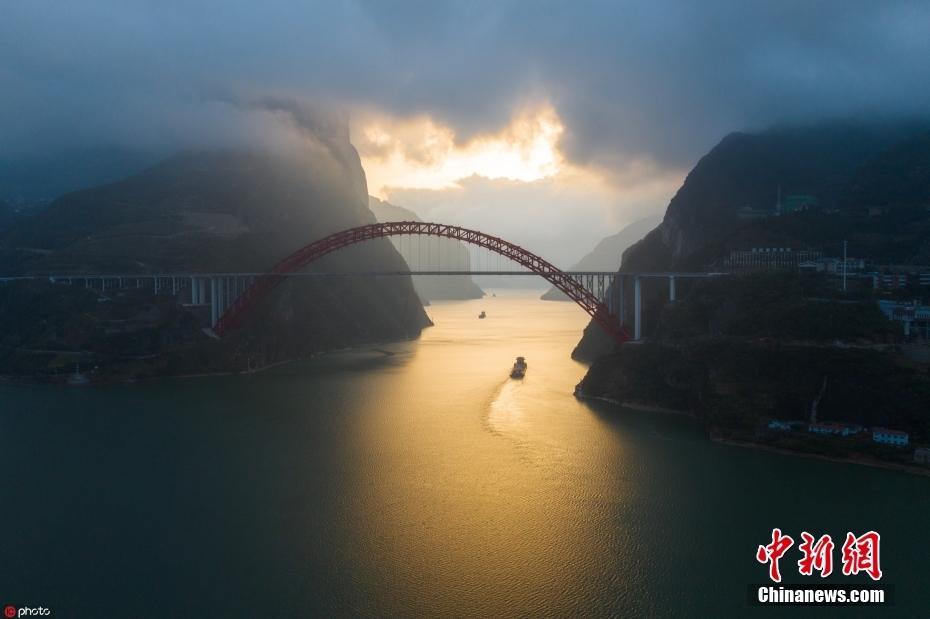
{"x": 214, "y": 302}
{"x": 637, "y": 308}
{"x": 621, "y": 281}
{"x": 671, "y": 288}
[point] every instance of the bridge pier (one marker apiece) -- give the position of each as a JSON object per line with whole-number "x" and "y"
{"x": 200, "y": 287}
{"x": 637, "y": 308}
{"x": 214, "y": 303}
{"x": 671, "y": 288}
{"x": 622, "y": 280}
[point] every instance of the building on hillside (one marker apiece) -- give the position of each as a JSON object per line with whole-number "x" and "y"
{"x": 839, "y": 429}
{"x": 913, "y": 316}
{"x": 832, "y": 265}
{"x": 891, "y": 276}
{"x": 767, "y": 258}
{"x": 893, "y": 280}
{"x": 887, "y": 436}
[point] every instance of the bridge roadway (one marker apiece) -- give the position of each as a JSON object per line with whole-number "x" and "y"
{"x": 219, "y": 290}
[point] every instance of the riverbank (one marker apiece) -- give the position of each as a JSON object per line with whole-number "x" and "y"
{"x": 863, "y": 460}
{"x": 715, "y": 437}
{"x": 110, "y": 379}
{"x": 637, "y": 406}
{"x": 737, "y": 385}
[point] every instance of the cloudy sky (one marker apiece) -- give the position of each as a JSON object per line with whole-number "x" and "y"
{"x": 551, "y": 123}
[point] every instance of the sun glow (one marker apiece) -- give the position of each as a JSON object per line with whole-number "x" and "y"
{"x": 421, "y": 153}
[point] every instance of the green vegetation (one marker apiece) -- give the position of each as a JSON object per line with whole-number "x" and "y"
{"x": 739, "y": 351}
{"x": 772, "y": 304}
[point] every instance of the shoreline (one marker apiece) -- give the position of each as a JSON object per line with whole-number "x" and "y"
{"x": 32, "y": 380}
{"x": 861, "y": 460}
{"x": 637, "y": 406}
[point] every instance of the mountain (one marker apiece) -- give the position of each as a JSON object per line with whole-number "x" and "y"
{"x": 898, "y": 178}
{"x": 852, "y": 172}
{"x": 38, "y": 179}
{"x": 607, "y": 253}
{"x": 454, "y": 255}
{"x": 209, "y": 211}
{"x": 739, "y": 351}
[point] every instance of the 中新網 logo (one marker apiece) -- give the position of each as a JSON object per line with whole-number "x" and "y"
{"x": 858, "y": 554}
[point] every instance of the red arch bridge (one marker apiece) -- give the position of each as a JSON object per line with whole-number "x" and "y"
{"x": 232, "y": 295}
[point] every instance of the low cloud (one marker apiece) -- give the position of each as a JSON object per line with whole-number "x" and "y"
{"x": 655, "y": 80}
{"x": 640, "y": 89}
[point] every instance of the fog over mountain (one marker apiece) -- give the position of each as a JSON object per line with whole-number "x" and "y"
{"x": 638, "y": 90}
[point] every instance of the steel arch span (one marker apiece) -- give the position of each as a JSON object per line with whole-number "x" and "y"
{"x": 262, "y": 286}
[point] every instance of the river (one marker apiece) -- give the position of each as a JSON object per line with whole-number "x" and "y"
{"x": 414, "y": 478}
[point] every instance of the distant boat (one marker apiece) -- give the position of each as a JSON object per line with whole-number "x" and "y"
{"x": 519, "y": 368}
{"x": 482, "y": 314}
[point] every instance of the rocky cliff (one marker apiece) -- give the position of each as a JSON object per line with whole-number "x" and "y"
{"x": 215, "y": 211}
{"x": 731, "y": 199}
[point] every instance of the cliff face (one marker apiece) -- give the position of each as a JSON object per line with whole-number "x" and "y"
{"x": 748, "y": 171}
{"x": 202, "y": 212}
{"x": 454, "y": 255}
{"x": 846, "y": 167}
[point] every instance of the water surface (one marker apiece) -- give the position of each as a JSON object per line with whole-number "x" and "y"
{"x": 412, "y": 478}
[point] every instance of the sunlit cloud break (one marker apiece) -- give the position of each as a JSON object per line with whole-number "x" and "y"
{"x": 422, "y": 153}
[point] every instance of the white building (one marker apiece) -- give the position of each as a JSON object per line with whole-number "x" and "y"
{"x": 890, "y": 437}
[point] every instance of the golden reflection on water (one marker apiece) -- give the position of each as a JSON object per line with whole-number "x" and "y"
{"x": 473, "y": 474}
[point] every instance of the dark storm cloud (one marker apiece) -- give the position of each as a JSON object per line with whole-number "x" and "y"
{"x": 655, "y": 79}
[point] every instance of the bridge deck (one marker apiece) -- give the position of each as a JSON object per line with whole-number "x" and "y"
{"x": 56, "y": 277}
